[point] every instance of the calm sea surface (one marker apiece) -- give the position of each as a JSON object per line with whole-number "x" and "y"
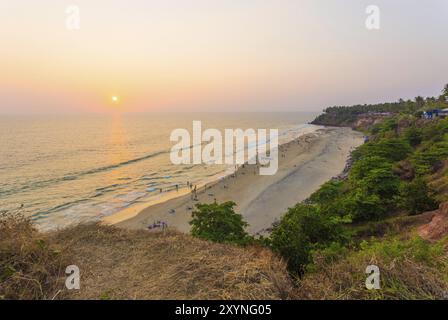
{"x": 76, "y": 168}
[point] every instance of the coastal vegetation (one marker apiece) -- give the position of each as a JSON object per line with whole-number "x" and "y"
{"x": 117, "y": 263}
{"x": 219, "y": 223}
{"x": 348, "y": 115}
{"x": 319, "y": 249}
{"x": 392, "y": 178}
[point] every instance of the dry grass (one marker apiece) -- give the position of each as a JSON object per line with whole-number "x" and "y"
{"x": 121, "y": 264}
{"x": 401, "y": 224}
{"x": 30, "y": 266}
{"x": 405, "y": 277}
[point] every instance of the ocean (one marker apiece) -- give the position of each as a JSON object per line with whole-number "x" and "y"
{"x": 61, "y": 170}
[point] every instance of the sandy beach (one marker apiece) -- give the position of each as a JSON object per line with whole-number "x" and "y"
{"x": 304, "y": 165}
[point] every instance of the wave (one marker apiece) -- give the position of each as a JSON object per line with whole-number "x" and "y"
{"x": 78, "y": 175}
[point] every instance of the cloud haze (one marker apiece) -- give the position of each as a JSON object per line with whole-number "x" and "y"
{"x": 219, "y": 55}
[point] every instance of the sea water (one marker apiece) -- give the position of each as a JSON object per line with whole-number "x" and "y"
{"x": 62, "y": 170}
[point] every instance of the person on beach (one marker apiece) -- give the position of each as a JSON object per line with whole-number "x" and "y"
{"x": 177, "y": 187}
{"x": 194, "y": 194}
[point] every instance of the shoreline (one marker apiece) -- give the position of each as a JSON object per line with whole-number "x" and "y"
{"x": 136, "y": 208}
{"x": 305, "y": 163}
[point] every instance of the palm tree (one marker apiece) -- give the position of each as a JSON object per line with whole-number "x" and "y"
{"x": 445, "y": 91}
{"x": 420, "y": 101}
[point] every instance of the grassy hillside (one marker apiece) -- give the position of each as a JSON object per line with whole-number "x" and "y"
{"x": 121, "y": 264}
{"x": 397, "y": 179}
{"x": 410, "y": 269}
{"x": 318, "y": 250}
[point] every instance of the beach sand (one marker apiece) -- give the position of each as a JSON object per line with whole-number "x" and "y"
{"x": 304, "y": 165}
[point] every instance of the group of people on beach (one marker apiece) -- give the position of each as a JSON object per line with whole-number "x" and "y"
{"x": 194, "y": 190}
{"x": 158, "y": 224}
{"x": 176, "y": 186}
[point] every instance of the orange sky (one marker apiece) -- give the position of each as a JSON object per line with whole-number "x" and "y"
{"x": 219, "y": 55}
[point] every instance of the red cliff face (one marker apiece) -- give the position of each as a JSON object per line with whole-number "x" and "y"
{"x": 438, "y": 227}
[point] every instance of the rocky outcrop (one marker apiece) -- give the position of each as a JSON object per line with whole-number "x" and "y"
{"x": 438, "y": 227}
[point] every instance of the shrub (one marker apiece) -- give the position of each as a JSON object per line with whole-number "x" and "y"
{"x": 30, "y": 266}
{"x": 362, "y": 167}
{"x": 219, "y": 223}
{"x": 302, "y": 229}
{"x": 416, "y": 197}
{"x": 410, "y": 269}
{"x": 381, "y": 182}
{"x": 414, "y": 136}
{"x": 363, "y": 207}
{"x": 392, "y": 149}
{"x": 430, "y": 159}
{"x": 328, "y": 192}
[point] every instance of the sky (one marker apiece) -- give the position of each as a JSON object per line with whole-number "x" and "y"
{"x": 217, "y": 55}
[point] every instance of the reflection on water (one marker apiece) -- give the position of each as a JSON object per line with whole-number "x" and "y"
{"x": 70, "y": 169}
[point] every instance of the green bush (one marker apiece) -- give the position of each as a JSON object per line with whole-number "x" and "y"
{"x": 362, "y": 167}
{"x": 381, "y": 182}
{"x": 328, "y": 192}
{"x": 334, "y": 252}
{"x": 301, "y": 230}
{"x": 415, "y": 248}
{"x": 219, "y": 223}
{"x": 416, "y": 197}
{"x": 364, "y": 207}
{"x": 427, "y": 160}
{"x": 414, "y": 136}
{"x": 390, "y": 124}
{"x": 391, "y": 149}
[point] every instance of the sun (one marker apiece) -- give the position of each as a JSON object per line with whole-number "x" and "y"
{"x": 114, "y": 99}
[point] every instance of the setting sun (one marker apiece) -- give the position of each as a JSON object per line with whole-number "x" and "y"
{"x": 114, "y": 99}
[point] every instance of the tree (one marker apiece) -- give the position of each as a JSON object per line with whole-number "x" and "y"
{"x": 302, "y": 229}
{"x": 364, "y": 207}
{"x": 362, "y": 167}
{"x": 420, "y": 101}
{"x": 392, "y": 149}
{"x": 445, "y": 91}
{"x": 219, "y": 223}
{"x": 416, "y": 197}
{"x": 328, "y": 192}
{"x": 382, "y": 182}
{"x": 414, "y": 136}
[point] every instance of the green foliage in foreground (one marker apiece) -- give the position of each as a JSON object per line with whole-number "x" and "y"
{"x": 391, "y": 149}
{"x": 410, "y": 269}
{"x": 389, "y": 175}
{"x": 417, "y": 197}
{"x": 219, "y": 223}
{"x": 303, "y": 229}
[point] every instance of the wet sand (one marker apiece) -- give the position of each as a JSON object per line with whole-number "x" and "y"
{"x": 304, "y": 165}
